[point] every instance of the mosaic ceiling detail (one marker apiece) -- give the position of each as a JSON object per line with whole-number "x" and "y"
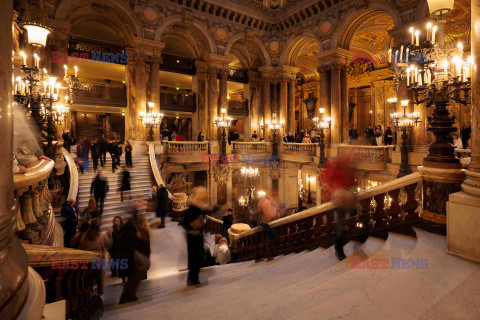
{"x": 458, "y": 22}
{"x": 371, "y": 41}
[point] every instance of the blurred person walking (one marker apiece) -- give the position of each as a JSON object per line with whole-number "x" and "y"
{"x": 162, "y": 204}
{"x": 99, "y": 190}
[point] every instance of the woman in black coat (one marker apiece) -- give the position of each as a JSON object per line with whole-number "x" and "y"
{"x": 194, "y": 223}
{"x": 162, "y": 204}
{"x": 115, "y": 249}
{"x": 125, "y": 183}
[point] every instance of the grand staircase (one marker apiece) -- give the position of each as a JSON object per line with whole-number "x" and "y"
{"x": 140, "y": 184}
{"x": 400, "y": 278}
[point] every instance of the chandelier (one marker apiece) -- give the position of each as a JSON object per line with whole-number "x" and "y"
{"x": 250, "y": 172}
{"x": 224, "y": 121}
{"x": 407, "y": 121}
{"x": 150, "y": 119}
{"x": 435, "y": 74}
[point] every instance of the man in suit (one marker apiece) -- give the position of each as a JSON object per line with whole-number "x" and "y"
{"x": 70, "y": 213}
{"x": 99, "y": 190}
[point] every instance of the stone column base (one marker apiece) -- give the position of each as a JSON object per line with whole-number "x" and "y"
{"x": 438, "y": 184}
{"x": 463, "y": 219}
{"x": 139, "y": 147}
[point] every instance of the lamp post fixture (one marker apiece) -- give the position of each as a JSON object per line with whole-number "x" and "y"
{"x": 435, "y": 74}
{"x": 404, "y": 123}
{"x": 275, "y": 126}
{"x": 151, "y": 120}
{"x": 223, "y": 122}
{"x": 324, "y": 125}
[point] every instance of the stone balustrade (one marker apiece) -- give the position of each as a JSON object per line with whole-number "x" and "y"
{"x": 392, "y": 206}
{"x": 34, "y": 218}
{"x": 186, "y": 147}
{"x": 301, "y": 149}
{"x": 363, "y": 153}
{"x": 69, "y": 275}
{"x": 249, "y": 147}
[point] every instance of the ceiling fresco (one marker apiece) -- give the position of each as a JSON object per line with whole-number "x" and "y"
{"x": 304, "y": 57}
{"x": 458, "y": 22}
{"x": 371, "y": 41}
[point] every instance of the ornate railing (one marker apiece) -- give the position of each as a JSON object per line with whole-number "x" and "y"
{"x": 186, "y": 147}
{"x": 302, "y": 149}
{"x": 177, "y": 102}
{"x": 34, "y": 218}
{"x": 249, "y": 147}
{"x": 237, "y": 74}
{"x": 97, "y": 50}
{"x": 363, "y": 153}
{"x": 72, "y": 174}
{"x": 213, "y": 225}
{"x": 238, "y": 108}
{"x": 393, "y": 206}
{"x": 177, "y": 64}
{"x": 101, "y": 94}
{"x": 69, "y": 275}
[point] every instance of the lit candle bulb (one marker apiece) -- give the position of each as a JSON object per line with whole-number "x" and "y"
{"x": 408, "y": 77}
{"x": 19, "y": 83}
{"x": 395, "y": 57}
{"x": 416, "y": 75}
{"x": 36, "y": 59}
{"x": 66, "y": 70}
{"x": 464, "y": 73}
{"x": 445, "y": 70}
{"x": 460, "y": 47}
{"x": 417, "y": 37}
{"x": 411, "y": 33}
{"x": 76, "y": 71}
{"x": 390, "y": 55}
{"x": 24, "y": 56}
{"x": 469, "y": 67}
{"x": 429, "y": 26}
{"x": 401, "y": 53}
{"x": 406, "y": 55}
{"x": 434, "y": 29}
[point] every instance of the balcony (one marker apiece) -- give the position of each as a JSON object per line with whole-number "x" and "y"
{"x": 177, "y": 64}
{"x": 237, "y": 75}
{"x": 97, "y": 50}
{"x": 186, "y": 151}
{"x": 101, "y": 94}
{"x": 238, "y": 108}
{"x": 299, "y": 152}
{"x": 177, "y": 102}
{"x": 369, "y": 158}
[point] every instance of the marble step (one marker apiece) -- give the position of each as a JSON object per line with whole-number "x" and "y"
{"x": 231, "y": 284}
{"x": 396, "y": 245}
{"x": 263, "y": 292}
{"x": 414, "y": 291}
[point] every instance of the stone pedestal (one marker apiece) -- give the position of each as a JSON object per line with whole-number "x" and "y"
{"x": 139, "y": 147}
{"x": 438, "y": 184}
{"x": 463, "y": 221}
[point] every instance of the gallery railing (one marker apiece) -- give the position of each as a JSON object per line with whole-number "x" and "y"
{"x": 177, "y": 64}
{"x": 97, "y": 50}
{"x": 34, "y": 218}
{"x": 302, "y": 149}
{"x": 363, "y": 153}
{"x": 179, "y": 102}
{"x": 393, "y": 206}
{"x": 237, "y": 75}
{"x": 103, "y": 94}
{"x": 213, "y": 225}
{"x": 238, "y": 108}
{"x": 186, "y": 147}
{"x": 69, "y": 275}
{"x": 248, "y": 147}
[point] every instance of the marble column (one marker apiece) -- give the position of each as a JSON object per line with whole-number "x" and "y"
{"x": 336, "y": 104}
{"x": 107, "y": 126}
{"x": 267, "y": 106}
{"x": 283, "y": 101}
{"x": 463, "y": 208}
{"x": 130, "y": 114}
{"x": 155, "y": 88}
{"x": 325, "y": 95}
{"x": 13, "y": 259}
{"x": 223, "y": 89}
{"x": 141, "y": 91}
{"x": 212, "y": 104}
{"x": 199, "y": 87}
{"x": 292, "y": 125}
{"x": 73, "y": 124}
{"x": 345, "y": 106}
{"x": 249, "y": 120}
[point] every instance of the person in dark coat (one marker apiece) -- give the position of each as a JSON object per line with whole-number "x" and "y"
{"x": 227, "y": 222}
{"x": 194, "y": 223}
{"x": 115, "y": 249}
{"x": 388, "y": 136}
{"x": 369, "y": 135}
{"x": 70, "y": 213}
{"x": 119, "y": 151}
{"x": 200, "y": 137}
{"x": 67, "y": 140}
{"x": 128, "y": 154}
{"x": 99, "y": 190}
{"x": 112, "y": 149}
{"x": 466, "y": 133}
{"x": 103, "y": 146}
{"x": 125, "y": 183}
{"x": 162, "y": 204}
{"x": 96, "y": 154}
